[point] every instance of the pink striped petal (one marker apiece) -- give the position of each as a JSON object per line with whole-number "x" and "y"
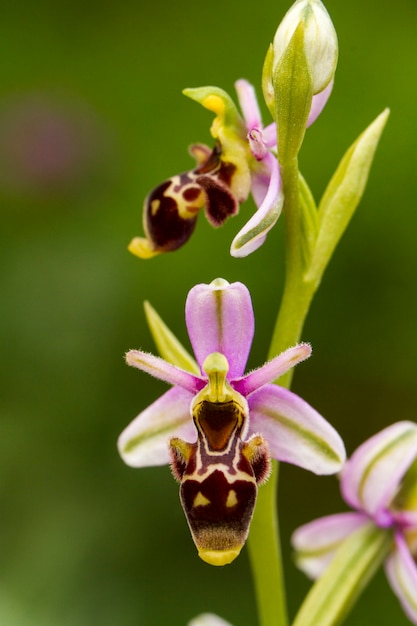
{"x": 270, "y": 135}
{"x": 295, "y": 432}
{"x": 316, "y": 543}
{"x": 372, "y": 476}
{"x": 253, "y": 234}
{"x": 159, "y": 368}
{"x": 272, "y": 369}
{"x": 261, "y": 179}
{"x": 401, "y": 571}
{"x": 220, "y": 319}
{"x": 145, "y": 441}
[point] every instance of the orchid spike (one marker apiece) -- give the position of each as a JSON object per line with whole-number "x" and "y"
{"x": 219, "y": 428}
{"x": 379, "y": 482}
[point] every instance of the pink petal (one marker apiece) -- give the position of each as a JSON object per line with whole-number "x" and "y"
{"x": 295, "y": 432}
{"x": 159, "y": 368}
{"x": 401, "y": 571}
{"x": 145, "y": 441}
{"x": 220, "y": 319}
{"x": 371, "y": 477}
{"x": 248, "y": 104}
{"x": 253, "y": 234}
{"x": 316, "y": 543}
{"x": 318, "y": 103}
{"x": 261, "y": 179}
{"x": 270, "y": 135}
{"x": 272, "y": 369}
{"x": 405, "y": 518}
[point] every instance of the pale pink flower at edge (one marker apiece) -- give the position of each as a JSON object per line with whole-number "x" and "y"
{"x": 379, "y": 481}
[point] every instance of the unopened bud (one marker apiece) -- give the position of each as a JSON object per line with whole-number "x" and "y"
{"x": 320, "y": 40}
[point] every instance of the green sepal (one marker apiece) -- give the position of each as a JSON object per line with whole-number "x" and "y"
{"x": 343, "y": 194}
{"x": 309, "y": 219}
{"x": 293, "y": 96}
{"x": 168, "y": 346}
{"x": 355, "y": 562}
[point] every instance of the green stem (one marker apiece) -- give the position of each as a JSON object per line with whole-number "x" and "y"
{"x": 309, "y": 246}
{"x": 264, "y": 543}
{"x": 295, "y": 304}
{"x": 298, "y": 293}
{"x": 265, "y": 556}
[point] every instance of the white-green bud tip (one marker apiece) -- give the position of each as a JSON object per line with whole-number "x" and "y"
{"x": 320, "y": 40}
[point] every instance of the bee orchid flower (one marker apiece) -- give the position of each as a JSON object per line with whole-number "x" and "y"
{"x": 219, "y": 428}
{"x": 243, "y": 161}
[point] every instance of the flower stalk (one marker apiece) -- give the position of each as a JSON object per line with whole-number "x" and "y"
{"x": 265, "y": 556}
{"x": 264, "y": 543}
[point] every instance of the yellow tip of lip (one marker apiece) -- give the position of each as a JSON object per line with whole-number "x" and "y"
{"x": 219, "y": 557}
{"x": 139, "y": 246}
{"x": 214, "y": 103}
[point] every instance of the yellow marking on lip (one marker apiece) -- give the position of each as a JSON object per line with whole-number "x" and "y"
{"x": 141, "y": 247}
{"x": 214, "y": 103}
{"x": 200, "y": 500}
{"x": 219, "y": 557}
{"x": 155, "y": 204}
{"x": 231, "y": 499}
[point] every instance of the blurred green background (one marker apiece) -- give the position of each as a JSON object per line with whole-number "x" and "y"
{"x": 91, "y": 118}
